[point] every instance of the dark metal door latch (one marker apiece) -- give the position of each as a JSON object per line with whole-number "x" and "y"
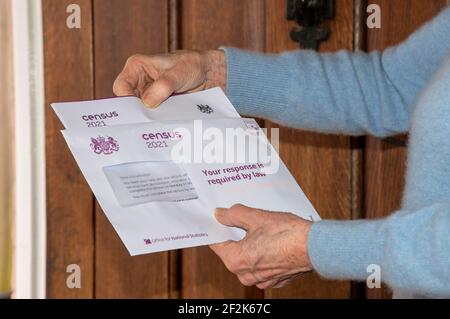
{"x": 310, "y": 14}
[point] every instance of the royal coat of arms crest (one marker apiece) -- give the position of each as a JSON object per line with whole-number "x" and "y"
{"x": 104, "y": 145}
{"x": 205, "y": 108}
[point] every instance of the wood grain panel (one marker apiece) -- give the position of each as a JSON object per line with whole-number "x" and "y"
{"x": 70, "y": 210}
{"x": 385, "y": 159}
{"x": 207, "y": 24}
{"x": 320, "y": 163}
{"x": 123, "y": 28}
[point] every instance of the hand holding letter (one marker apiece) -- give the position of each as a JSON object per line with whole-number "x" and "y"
{"x": 274, "y": 250}
{"x": 154, "y": 78}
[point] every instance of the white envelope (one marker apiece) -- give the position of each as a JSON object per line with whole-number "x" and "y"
{"x": 158, "y": 201}
{"x": 208, "y": 104}
{"x": 134, "y": 184}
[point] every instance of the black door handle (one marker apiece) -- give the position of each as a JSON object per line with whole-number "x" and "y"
{"x": 310, "y": 14}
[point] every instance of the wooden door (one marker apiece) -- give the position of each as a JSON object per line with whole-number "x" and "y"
{"x": 345, "y": 178}
{"x": 82, "y": 64}
{"x": 69, "y": 75}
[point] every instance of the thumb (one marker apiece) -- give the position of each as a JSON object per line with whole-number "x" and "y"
{"x": 239, "y": 216}
{"x": 160, "y": 90}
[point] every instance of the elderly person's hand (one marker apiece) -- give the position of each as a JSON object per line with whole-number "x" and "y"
{"x": 154, "y": 78}
{"x": 274, "y": 250}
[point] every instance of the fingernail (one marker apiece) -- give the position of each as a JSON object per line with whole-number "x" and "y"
{"x": 148, "y": 105}
{"x": 219, "y": 211}
{"x": 145, "y": 104}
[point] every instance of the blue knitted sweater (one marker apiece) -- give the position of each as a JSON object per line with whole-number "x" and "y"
{"x": 406, "y": 88}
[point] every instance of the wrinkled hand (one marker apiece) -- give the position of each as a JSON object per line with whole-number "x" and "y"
{"x": 154, "y": 78}
{"x": 274, "y": 250}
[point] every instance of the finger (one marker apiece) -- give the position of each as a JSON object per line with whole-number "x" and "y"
{"x": 267, "y": 284}
{"x": 226, "y": 251}
{"x": 161, "y": 89}
{"x": 139, "y": 71}
{"x": 122, "y": 87}
{"x": 282, "y": 283}
{"x": 229, "y": 253}
{"x": 127, "y": 81}
{"x": 247, "y": 279}
{"x": 239, "y": 216}
{"x": 220, "y": 247}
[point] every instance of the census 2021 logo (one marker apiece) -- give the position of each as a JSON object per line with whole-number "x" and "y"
{"x": 104, "y": 145}
{"x": 205, "y": 108}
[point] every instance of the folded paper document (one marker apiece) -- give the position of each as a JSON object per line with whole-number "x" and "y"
{"x": 159, "y": 174}
{"x": 208, "y": 104}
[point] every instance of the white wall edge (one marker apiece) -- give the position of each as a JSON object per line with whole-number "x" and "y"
{"x": 30, "y": 241}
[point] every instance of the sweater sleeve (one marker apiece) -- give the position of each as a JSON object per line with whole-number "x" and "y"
{"x": 410, "y": 247}
{"x": 343, "y": 92}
